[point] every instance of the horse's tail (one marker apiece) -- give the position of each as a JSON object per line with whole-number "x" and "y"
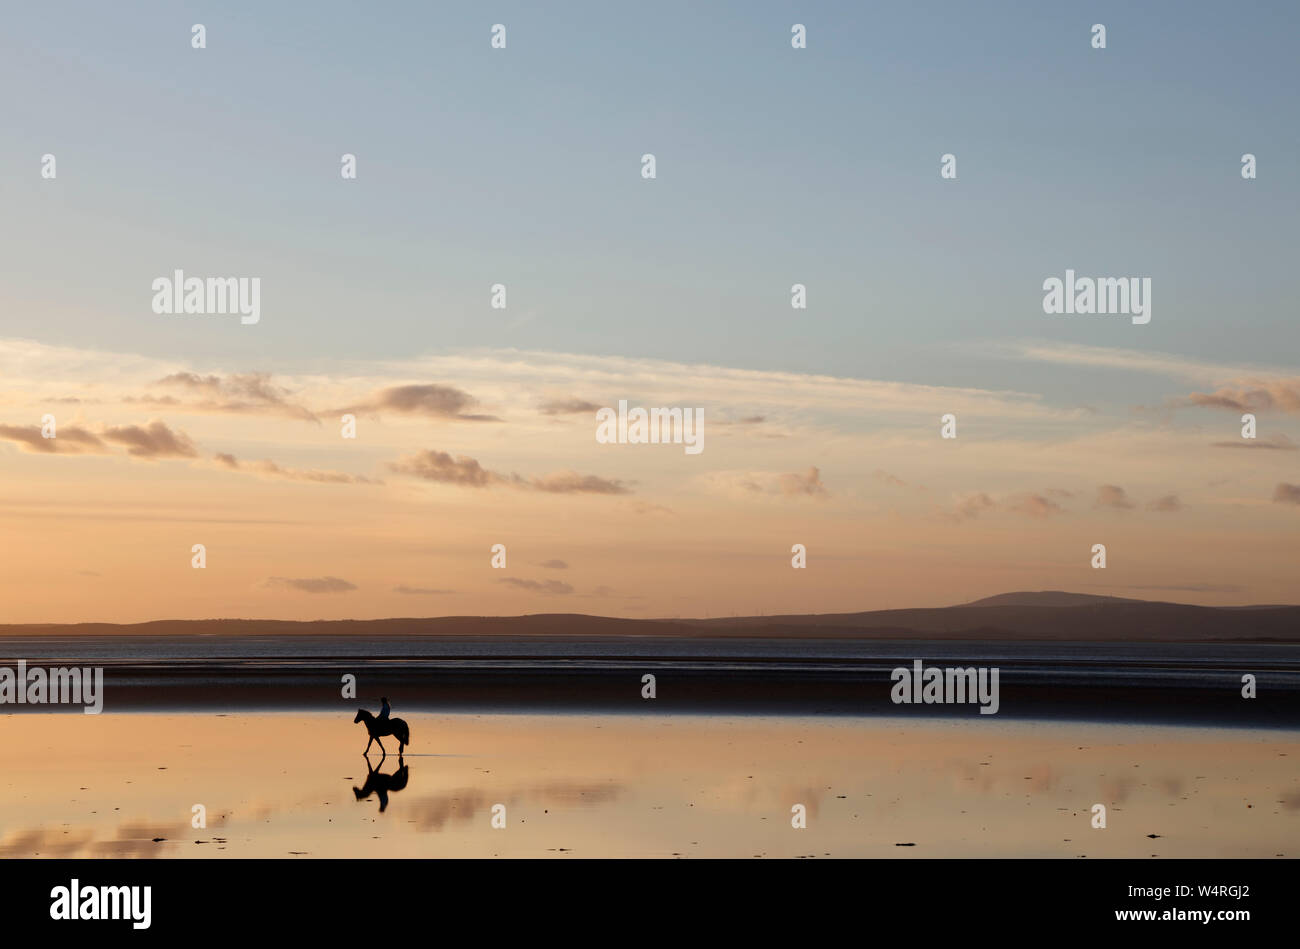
{"x": 400, "y": 730}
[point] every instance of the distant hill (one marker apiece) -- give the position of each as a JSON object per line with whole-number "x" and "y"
{"x": 1049, "y": 598}
{"x": 1043, "y": 616}
{"x": 1049, "y": 616}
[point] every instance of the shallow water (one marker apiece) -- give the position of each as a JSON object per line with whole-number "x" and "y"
{"x": 279, "y": 784}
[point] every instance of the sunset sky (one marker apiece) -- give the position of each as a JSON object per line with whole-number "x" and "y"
{"x": 522, "y": 166}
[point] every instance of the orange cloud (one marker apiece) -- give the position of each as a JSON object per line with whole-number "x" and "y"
{"x": 68, "y": 441}
{"x": 154, "y": 440}
{"x": 441, "y": 467}
{"x": 430, "y": 400}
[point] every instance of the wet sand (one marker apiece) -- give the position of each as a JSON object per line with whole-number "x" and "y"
{"x": 281, "y": 784}
{"x": 1167, "y": 683}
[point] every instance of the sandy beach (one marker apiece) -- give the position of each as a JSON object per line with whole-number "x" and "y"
{"x": 557, "y": 737}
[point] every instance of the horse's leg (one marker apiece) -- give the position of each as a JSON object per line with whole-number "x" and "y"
{"x": 368, "y": 744}
{"x": 381, "y": 747}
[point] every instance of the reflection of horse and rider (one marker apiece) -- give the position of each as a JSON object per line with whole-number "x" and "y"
{"x": 377, "y": 726}
{"x": 380, "y": 725}
{"x": 381, "y": 784}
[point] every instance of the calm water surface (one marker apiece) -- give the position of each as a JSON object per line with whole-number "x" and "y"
{"x": 279, "y": 784}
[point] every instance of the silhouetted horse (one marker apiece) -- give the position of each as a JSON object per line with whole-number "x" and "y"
{"x": 379, "y": 783}
{"x": 380, "y": 727}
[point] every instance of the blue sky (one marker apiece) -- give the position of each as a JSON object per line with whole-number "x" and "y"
{"x": 775, "y": 166}
{"x": 522, "y": 166}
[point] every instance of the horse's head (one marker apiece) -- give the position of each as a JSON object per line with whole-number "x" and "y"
{"x": 362, "y": 715}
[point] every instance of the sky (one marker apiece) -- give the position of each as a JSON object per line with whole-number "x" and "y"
{"x": 523, "y": 166}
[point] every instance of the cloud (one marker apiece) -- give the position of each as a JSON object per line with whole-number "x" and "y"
{"x": 1112, "y": 496}
{"x": 1276, "y": 443}
{"x": 239, "y": 394}
{"x": 747, "y": 421}
{"x": 270, "y": 469}
{"x": 1287, "y": 493}
{"x": 429, "y": 400}
{"x": 420, "y": 591}
{"x": 549, "y": 587}
{"x": 791, "y": 485}
{"x": 554, "y": 565}
{"x": 1236, "y": 388}
{"x": 968, "y": 506}
{"x": 154, "y": 440}
{"x": 1105, "y": 357}
{"x": 648, "y": 509}
{"x": 1028, "y": 503}
{"x": 1250, "y": 395}
{"x": 440, "y": 467}
{"x": 1033, "y": 505}
{"x": 512, "y": 378}
{"x": 311, "y": 584}
{"x": 568, "y": 407}
{"x": 570, "y": 482}
{"x": 68, "y": 440}
{"x": 809, "y": 483}
{"x": 1169, "y": 504}
{"x": 729, "y": 391}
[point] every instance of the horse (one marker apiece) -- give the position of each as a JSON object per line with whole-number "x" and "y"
{"x": 380, "y": 727}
